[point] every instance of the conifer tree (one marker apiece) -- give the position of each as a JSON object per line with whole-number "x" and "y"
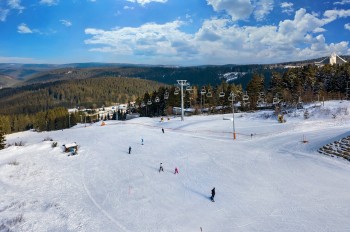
{"x": 2, "y": 139}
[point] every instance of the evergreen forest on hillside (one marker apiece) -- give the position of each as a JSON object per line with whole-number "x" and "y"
{"x": 44, "y": 106}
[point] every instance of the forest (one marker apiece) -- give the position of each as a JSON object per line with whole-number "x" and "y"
{"x": 44, "y": 106}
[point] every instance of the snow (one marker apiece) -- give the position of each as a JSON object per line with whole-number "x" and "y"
{"x": 268, "y": 182}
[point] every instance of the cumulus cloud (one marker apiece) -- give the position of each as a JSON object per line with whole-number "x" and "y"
{"x": 343, "y": 2}
{"x": 220, "y": 41}
{"x": 331, "y": 15}
{"x": 49, "y": 2}
{"x": 16, "y": 5}
{"x": 65, "y": 22}
{"x": 238, "y": 9}
{"x": 263, "y": 8}
{"x": 3, "y": 14}
{"x": 287, "y": 7}
{"x": 144, "y": 2}
{"x": 24, "y": 29}
{"x": 347, "y": 26}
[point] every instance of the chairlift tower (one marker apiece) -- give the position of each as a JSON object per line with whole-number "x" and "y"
{"x": 182, "y": 83}
{"x": 232, "y": 99}
{"x": 347, "y": 91}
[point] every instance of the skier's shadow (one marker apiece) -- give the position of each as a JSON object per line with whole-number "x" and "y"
{"x": 198, "y": 193}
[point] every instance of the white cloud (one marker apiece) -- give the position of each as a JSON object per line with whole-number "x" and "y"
{"x": 343, "y": 2}
{"x": 49, "y": 2}
{"x": 128, "y": 8}
{"x": 238, "y": 9}
{"x": 67, "y": 23}
{"x": 24, "y": 29}
{"x": 347, "y": 26}
{"x": 16, "y": 5}
{"x": 332, "y": 15}
{"x": 144, "y": 2}
{"x": 218, "y": 41}
{"x": 3, "y": 14}
{"x": 263, "y": 8}
{"x": 287, "y": 7}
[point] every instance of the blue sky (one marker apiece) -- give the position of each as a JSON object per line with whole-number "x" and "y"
{"x": 172, "y": 32}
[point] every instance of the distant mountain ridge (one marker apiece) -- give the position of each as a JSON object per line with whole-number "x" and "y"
{"x": 23, "y": 74}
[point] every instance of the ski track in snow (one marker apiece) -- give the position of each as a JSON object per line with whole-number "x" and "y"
{"x": 268, "y": 182}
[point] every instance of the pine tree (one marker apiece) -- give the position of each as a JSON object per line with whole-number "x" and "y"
{"x": 2, "y": 140}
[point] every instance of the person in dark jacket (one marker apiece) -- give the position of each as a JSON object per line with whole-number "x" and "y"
{"x": 163, "y": 130}
{"x": 129, "y": 149}
{"x": 212, "y": 194}
{"x": 161, "y": 168}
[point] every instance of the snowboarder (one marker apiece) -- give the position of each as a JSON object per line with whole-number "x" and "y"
{"x": 212, "y": 194}
{"x": 176, "y": 171}
{"x": 161, "y": 168}
{"x": 141, "y": 141}
{"x": 163, "y": 130}
{"x": 129, "y": 149}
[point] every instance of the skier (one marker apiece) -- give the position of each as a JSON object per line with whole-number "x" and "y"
{"x": 141, "y": 141}
{"x": 163, "y": 130}
{"x": 129, "y": 149}
{"x": 176, "y": 171}
{"x": 161, "y": 168}
{"x": 212, "y": 194}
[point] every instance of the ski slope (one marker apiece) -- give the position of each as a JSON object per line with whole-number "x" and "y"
{"x": 268, "y": 182}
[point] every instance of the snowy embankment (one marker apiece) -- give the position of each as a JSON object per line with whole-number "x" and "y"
{"x": 266, "y": 182}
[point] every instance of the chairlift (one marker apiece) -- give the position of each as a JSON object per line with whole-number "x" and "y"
{"x": 222, "y": 94}
{"x": 156, "y": 99}
{"x": 300, "y": 105}
{"x": 231, "y": 97}
{"x": 143, "y": 104}
{"x": 177, "y": 89}
{"x": 245, "y": 97}
{"x": 149, "y": 102}
{"x": 166, "y": 95}
{"x": 203, "y": 91}
{"x": 176, "y": 92}
{"x": 275, "y": 100}
{"x": 209, "y": 94}
{"x": 188, "y": 88}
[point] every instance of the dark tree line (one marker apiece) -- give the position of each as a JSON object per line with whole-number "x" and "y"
{"x": 44, "y": 106}
{"x": 306, "y": 84}
{"x": 90, "y": 93}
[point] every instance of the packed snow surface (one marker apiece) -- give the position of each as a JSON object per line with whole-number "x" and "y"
{"x": 265, "y": 180}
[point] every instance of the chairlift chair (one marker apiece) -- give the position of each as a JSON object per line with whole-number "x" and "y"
{"x": 300, "y": 105}
{"x": 166, "y": 95}
{"x": 156, "y": 99}
{"x": 222, "y": 94}
{"x": 176, "y": 92}
{"x": 149, "y": 102}
{"x": 209, "y": 94}
{"x": 245, "y": 97}
{"x": 203, "y": 91}
{"x": 275, "y": 100}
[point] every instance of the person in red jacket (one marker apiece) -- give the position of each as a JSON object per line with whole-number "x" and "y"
{"x": 176, "y": 171}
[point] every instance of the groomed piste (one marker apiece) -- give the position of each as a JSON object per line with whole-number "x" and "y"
{"x": 267, "y": 179}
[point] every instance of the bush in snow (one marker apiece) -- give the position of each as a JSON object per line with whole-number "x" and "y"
{"x": 54, "y": 144}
